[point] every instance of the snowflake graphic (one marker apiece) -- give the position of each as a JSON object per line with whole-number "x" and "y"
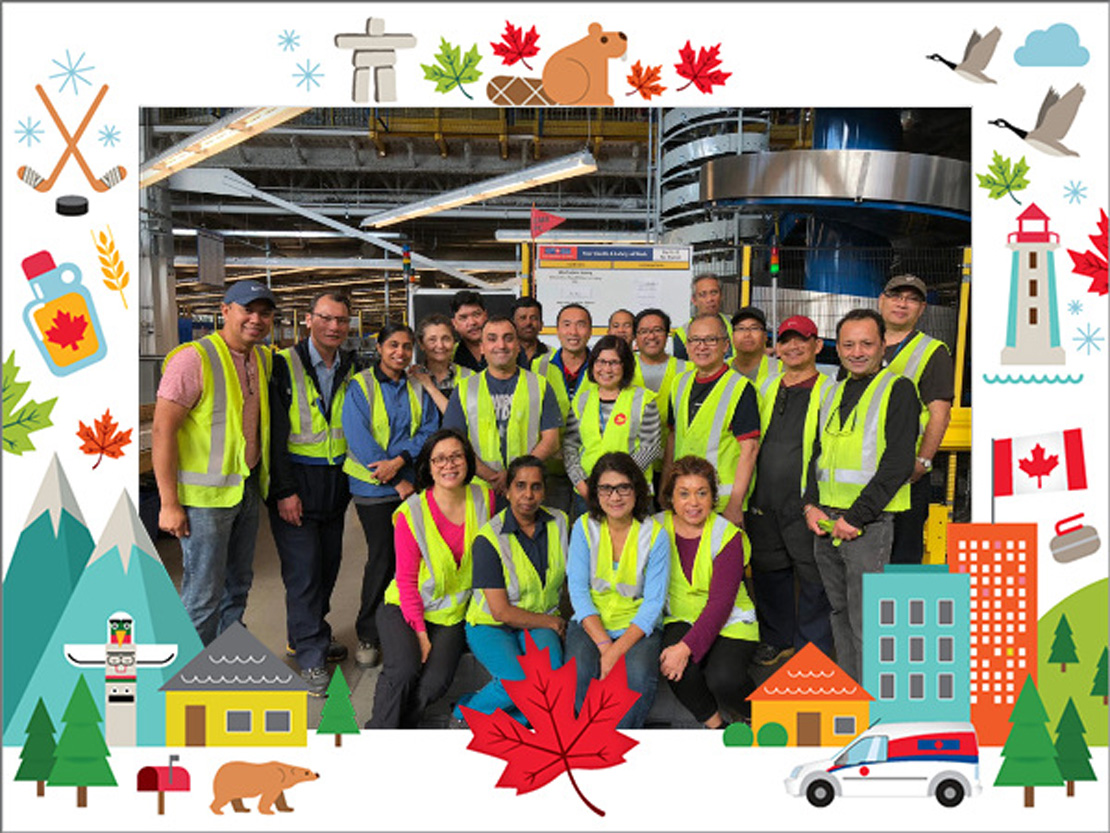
{"x": 1075, "y": 307}
{"x": 1075, "y": 192}
{"x": 71, "y": 72}
{"x": 289, "y": 40}
{"x": 1089, "y": 340}
{"x": 109, "y": 135}
{"x": 27, "y": 132}
{"x": 308, "y": 75}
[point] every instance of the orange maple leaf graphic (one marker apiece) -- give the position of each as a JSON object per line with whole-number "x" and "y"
{"x": 1038, "y": 465}
{"x": 105, "y": 440}
{"x": 646, "y": 82}
{"x": 67, "y": 330}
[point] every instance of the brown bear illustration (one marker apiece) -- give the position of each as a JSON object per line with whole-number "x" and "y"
{"x": 577, "y": 74}
{"x": 237, "y": 780}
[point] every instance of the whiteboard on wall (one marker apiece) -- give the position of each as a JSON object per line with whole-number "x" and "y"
{"x": 604, "y": 279}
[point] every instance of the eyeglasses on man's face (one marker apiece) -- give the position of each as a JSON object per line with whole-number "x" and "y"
{"x": 707, "y": 341}
{"x": 341, "y": 320}
{"x": 905, "y": 297}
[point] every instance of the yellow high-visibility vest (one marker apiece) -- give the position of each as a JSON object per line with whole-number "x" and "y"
{"x": 523, "y": 430}
{"x": 675, "y": 368}
{"x": 444, "y": 585}
{"x": 379, "y": 419}
{"x": 211, "y": 449}
{"x": 618, "y": 593}
{"x": 850, "y": 454}
{"x": 687, "y": 599}
{"x": 910, "y": 362}
{"x": 524, "y": 587}
{"x": 622, "y": 430}
{"x": 310, "y": 434}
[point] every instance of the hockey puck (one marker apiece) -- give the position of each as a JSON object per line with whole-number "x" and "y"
{"x": 71, "y": 206}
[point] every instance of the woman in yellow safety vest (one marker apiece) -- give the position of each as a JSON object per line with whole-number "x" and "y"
{"x": 617, "y": 571}
{"x": 438, "y": 374}
{"x": 421, "y": 621}
{"x": 519, "y": 570}
{"x": 610, "y": 414}
{"x": 710, "y": 632}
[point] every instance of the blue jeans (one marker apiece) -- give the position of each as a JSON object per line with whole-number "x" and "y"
{"x": 218, "y": 556}
{"x": 641, "y": 665}
{"x": 499, "y": 648}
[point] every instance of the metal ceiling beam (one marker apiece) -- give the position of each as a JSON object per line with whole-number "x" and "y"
{"x": 394, "y": 265}
{"x": 229, "y": 184}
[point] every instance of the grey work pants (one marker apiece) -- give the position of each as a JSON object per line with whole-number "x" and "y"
{"x": 842, "y": 570}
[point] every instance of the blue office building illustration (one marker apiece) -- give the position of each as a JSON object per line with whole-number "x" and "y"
{"x": 916, "y": 643}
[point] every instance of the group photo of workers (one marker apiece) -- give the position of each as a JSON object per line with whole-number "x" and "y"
{"x": 697, "y": 497}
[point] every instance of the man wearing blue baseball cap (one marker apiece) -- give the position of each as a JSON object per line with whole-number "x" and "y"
{"x": 210, "y": 448}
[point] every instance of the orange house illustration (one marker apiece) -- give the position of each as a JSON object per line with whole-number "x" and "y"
{"x": 813, "y": 699}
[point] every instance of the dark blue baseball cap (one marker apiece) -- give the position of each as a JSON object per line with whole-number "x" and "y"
{"x": 243, "y": 292}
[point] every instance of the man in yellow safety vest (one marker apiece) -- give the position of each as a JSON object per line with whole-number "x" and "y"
{"x": 210, "y": 448}
{"x": 863, "y": 457}
{"x": 705, "y": 295}
{"x": 655, "y": 370}
{"x": 749, "y": 340}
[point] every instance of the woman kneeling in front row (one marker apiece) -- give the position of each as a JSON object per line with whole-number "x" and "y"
{"x": 519, "y": 562}
{"x": 617, "y": 574}
{"x": 710, "y": 632}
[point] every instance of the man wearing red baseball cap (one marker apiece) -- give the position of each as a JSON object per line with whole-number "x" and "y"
{"x": 782, "y": 544}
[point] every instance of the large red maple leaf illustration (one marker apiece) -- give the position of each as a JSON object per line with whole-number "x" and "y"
{"x": 516, "y": 45}
{"x": 1038, "y": 465}
{"x": 67, "y": 330}
{"x": 700, "y": 68}
{"x": 1089, "y": 264}
{"x": 558, "y": 741}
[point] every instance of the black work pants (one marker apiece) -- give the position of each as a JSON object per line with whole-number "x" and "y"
{"x": 909, "y": 526}
{"x": 720, "y": 682}
{"x": 381, "y": 564}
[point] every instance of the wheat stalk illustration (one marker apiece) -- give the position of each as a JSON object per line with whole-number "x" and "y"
{"x": 111, "y": 264}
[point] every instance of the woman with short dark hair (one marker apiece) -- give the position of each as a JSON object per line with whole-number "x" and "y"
{"x": 710, "y": 632}
{"x": 421, "y": 619}
{"x": 611, "y": 414}
{"x": 617, "y": 573}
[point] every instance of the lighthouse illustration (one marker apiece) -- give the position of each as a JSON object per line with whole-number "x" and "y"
{"x": 1033, "y": 326}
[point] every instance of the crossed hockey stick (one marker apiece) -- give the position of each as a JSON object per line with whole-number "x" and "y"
{"x": 44, "y": 184}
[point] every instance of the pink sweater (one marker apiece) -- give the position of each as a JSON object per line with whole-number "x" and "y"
{"x": 409, "y": 557}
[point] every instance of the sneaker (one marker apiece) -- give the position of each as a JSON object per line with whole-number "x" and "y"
{"x": 337, "y": 651}
{"x": 317, "y": 680}
{"x": 368, "y": 655}
{"x": 769, "y": 655}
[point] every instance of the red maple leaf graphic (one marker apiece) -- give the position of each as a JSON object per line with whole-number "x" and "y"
{"x": 645, "y": 81}
{"x": 1038, "y": 465}
{"x": 1089, "y": 263}
{"x": 67, "y": 330}
{"x": 700, "y": 68}
{"x": 516, "y": 45}
{"x": 105, "y": 440}
{"x": 558, "y": 740}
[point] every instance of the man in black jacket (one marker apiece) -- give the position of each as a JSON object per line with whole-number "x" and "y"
{"x": 308, "y": 487}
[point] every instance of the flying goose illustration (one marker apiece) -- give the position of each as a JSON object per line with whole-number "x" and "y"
{"x": 1053, "y": 121}
{"x": 977, "y": 55}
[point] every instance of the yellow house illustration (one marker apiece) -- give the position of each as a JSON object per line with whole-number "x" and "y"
{"x": 236, "y": 693}
{"x": 813, "y": 699}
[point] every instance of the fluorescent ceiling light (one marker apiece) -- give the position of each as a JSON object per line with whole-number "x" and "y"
{"x": 216, "y": 138}
{"x": 301, "y": 235}
{"x": 585, "y": 236}
{"x": 563, "y": 168}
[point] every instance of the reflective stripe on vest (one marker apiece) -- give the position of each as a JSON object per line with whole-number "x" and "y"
{"x": 211, "y": 448}
{"x": 687, "y": 599}
{"x": 617, "y": 595}
{"x": 768, "y": 371}
{"x": 444, "y": 585}
{"x": 617, "y": 436}
{"x": 675, "y": 368}
{"x": 534, "y": 594}
{"x": 865, "y": 440}
{"x": 818, "y": 395}
{"x": 523, "y": 430}
{"x": 309, "y": 433}
{"x": 910, "y": 362}
{"x": 379, "y": 420}
{"x": 714, "y": 441}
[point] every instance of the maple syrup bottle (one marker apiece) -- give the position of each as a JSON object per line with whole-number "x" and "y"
{"x": 62, "y": 318}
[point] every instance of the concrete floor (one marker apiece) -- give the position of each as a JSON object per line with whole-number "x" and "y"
{"x": 265, "y": 619}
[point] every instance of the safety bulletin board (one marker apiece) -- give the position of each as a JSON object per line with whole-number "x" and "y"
{"x": 604, "y": 279}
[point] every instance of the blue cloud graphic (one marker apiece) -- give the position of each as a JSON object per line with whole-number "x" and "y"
{"x": 1057, "y": 46}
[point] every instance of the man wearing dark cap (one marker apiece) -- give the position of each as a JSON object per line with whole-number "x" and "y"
{"x": 782, "y": 544}
{"x": 926, "y": 362}
{"x": 210, "y": 447}
{"x": 749, "y": 340}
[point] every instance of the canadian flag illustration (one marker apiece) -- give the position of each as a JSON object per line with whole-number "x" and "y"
{"x": 1042, "y": 463}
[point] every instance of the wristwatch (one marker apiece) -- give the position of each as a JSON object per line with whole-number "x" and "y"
{"x": 926, "y": 463}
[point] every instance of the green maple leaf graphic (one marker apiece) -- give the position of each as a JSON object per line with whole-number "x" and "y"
{"x": 1002, "y": 180}
{"x": 451, "y": 70}
{"x": 32, "y": 416}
